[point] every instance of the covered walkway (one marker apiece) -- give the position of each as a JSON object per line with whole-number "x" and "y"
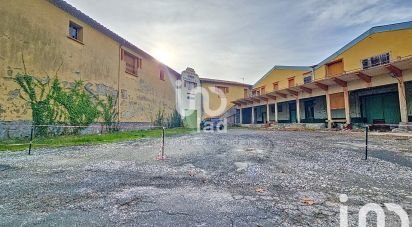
{"x": 377, "y": 95}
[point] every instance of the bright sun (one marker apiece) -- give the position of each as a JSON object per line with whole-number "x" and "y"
{"x": 162, "y": 55}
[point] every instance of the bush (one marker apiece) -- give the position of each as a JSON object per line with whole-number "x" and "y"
{"x": 174, "y": 120}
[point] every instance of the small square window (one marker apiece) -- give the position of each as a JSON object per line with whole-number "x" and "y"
{"x": 162, "y": 75}
{"x": 276, "y": 86}
{"x": 76, "y": 31}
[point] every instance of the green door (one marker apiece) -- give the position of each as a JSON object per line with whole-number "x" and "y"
{"x": 391, "y": 110}
{"x": 373, "y": 108}
{"x": 383, "y": 108}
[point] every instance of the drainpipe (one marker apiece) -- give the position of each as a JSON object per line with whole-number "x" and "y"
{"x": 118, "y": 84}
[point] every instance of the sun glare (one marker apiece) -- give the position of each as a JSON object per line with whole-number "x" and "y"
{"x": 162, "y": 55}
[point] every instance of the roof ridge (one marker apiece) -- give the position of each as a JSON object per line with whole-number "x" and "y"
{"x": 364, "y": 35}
{"x": 224, "y": 81}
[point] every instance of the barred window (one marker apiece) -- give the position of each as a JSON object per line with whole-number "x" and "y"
{"x": 375, "y": 60}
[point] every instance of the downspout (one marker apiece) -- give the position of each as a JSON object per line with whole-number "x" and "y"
{"x": 118, "y": 84}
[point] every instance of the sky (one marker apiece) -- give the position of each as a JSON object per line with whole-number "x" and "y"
{"x": 241, "y": 40}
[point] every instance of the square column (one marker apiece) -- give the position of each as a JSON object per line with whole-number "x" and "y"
{"x": 328, "y": 110}
{"x": 347, "y": 108}
{"x": 253, "y": 115}
{"x": 402, "y": 100}
{"x": 267, "y": 113}
{"x": 240, "y": 116}
{"x": 297, "y": 110}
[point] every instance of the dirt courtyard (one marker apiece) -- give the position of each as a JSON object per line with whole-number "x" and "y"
{"x": 240, "y": 178}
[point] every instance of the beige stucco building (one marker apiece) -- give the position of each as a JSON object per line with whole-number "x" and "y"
{"x": 54, "y": 38}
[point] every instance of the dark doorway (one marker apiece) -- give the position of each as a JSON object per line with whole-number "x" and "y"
{"x": 260, "y": 114}
{"x": 309, "y": 110}
{"x": 247, "y": 115}
{"x": 292, "y": 112}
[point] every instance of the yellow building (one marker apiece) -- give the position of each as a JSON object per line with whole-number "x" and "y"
{"x": 52, "y": 35}
{"x": 368, "y": 81}
{"x": 219, "y": 95}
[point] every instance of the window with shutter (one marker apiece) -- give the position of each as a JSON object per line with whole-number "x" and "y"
{"x": 337, "y": 101}
{"x": 132, "y": 62}
{"x": 162, "y": 75}
{"x": 222, "y": 89}
{"x": 276, "y": 86}
{"x": 335, "y": 68}
{"x": 291, "y": 82}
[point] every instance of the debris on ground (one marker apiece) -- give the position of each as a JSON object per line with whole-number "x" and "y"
{"x": 308, "y": 201}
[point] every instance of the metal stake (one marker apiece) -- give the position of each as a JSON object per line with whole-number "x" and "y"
{"x": 163, "y": 143}
{"x": 366, "y": 144}
{"x": 31, "y": 138}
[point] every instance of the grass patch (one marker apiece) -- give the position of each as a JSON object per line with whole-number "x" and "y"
{"x": 63, "y": 141}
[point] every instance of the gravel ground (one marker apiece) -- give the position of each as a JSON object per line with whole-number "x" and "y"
{"x": 241, "y": 178}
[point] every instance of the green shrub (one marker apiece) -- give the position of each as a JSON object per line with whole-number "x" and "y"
{"x": 55, "y": 105}
{"x": 174, "y": 120}
{"x": 81, "y": 106}
{"x": 109, "y": 113}
{"x": 38, "y": 94}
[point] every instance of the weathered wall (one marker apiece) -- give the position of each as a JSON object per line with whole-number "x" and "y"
{"x": 38, "y": 30}
{"x": 235, "y": 92}
{"x": 142, "y": 96}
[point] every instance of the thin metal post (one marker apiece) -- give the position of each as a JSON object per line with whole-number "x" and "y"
{"x": 163, "y": 142}
{"x": 31, "y": 138}
{"x": 366, "y": 142}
